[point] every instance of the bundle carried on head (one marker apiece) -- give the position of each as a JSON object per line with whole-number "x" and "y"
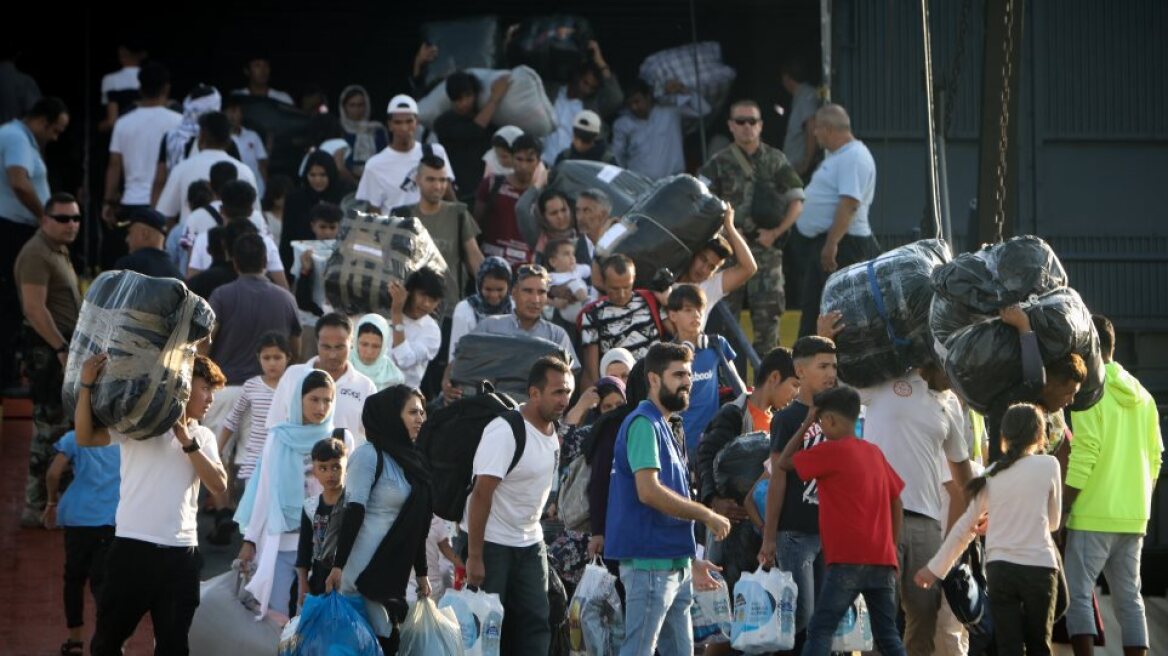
{"x": 148, "y": 327}
{"x": 570, "y": 177}
{"x": 885, "y": 306}
{"x": 372, "y": 250}
{"x": 525, "y": 105}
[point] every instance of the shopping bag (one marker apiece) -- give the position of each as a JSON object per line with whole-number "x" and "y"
{"x": 595, "y": 620}
{"x": 710, "y": 613}
{"x": 429, "y": 631}
{"x": 480, "y": 620}
{"x": 854, "y": 632}
{"x": 330, "y": 625}
{"x": 760, "y": 624}
{"x": 225, "y": 621}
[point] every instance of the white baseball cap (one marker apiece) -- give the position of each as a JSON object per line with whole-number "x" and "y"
{"x": 402, "y": 104}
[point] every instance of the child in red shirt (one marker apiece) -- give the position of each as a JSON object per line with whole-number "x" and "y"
{"x": 859, "y": 522}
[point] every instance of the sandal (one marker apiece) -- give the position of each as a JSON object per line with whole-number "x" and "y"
{"x": 72, "y": 648}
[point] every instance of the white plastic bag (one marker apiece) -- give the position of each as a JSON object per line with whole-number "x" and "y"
{"x": 480, "y": 619}
{"x": 758, "y": 625}
{"x": 711, "y": 614}
{"x": 854, "y": 632}
{"x": 225, "y": 624}
{"x": 322, "y": 250}
{"x": 596, "y": 624}
{"x": 429, "y": 631}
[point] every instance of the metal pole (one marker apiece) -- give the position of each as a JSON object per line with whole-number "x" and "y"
{"x": 825, "y": 48}
{"x": 943, "y": 165}
{"x": 93, "y": 217}
{"x": 693, "y": 26}
{"x": 931, "y": 125}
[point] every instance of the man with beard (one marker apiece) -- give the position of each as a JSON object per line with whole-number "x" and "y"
{"x": 505, "y": 550}
{"x": 651, "y": 517}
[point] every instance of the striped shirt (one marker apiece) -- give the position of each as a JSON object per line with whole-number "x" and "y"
{"x": 254, "y": 403}
{"x": 609, "y": 326}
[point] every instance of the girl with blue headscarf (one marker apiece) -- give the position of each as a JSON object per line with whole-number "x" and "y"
{"x": 269, "y": 513}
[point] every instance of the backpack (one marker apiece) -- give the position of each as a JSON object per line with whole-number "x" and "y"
{"x": 650, "y": 301}
{"x": 450, "y": 437}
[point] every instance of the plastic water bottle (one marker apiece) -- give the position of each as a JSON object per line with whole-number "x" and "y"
{"x": 787, "y": 612}
{"x": 865, "y": 623}
{"x": 492, "y": 631}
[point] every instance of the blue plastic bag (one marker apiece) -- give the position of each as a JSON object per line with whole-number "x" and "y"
{"x": 331, "y": 625}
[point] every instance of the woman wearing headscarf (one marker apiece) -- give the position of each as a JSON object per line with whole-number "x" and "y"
{"x": 366, "y": 138}
{"x": 492, "y": 297}
{"x": 269, "y": 512}
{"x": 388, "y": 513}
{"x": 318, "y": 184}
{"x": 371, "y": 352}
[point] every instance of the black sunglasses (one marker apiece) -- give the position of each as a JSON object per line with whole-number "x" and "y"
{"x": 66, "y": 218}
{"x": 746, "y": 120}
{"x": 526, "y": 270}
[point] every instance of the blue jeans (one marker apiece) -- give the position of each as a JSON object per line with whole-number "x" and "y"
{"x": 841, "y": 585}
{"x": 801, "y": 554}
{"x": 657, "y": 606}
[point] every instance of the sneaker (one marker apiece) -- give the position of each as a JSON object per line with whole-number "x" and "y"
{"x": 31, "y": 518}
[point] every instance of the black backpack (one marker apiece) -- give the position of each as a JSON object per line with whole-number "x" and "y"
{"x": 450, "y": 437}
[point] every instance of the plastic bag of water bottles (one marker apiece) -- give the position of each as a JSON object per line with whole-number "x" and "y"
{"x": 596, "y": 625}
{"x": 764, "y": 612}
{"x": 854, "y": 632}
{"x": 710, "y": 613}
{"x": 430, "y": 631}
{"x": 480, "y": 619}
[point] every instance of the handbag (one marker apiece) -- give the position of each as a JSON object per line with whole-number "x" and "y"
{"x": 767, "y": 207}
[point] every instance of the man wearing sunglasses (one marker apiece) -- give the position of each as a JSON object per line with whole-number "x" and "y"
{"x": 767, "y": 197}
{"x": 50, "y": 300}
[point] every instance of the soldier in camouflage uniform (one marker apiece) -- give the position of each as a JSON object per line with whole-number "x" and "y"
{"x": 767, "y": 196}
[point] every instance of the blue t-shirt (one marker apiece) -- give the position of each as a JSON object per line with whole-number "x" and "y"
{"x": 92, "y": 497}
{"x": 18, "y": 148}
{"x": 703, "y": 397}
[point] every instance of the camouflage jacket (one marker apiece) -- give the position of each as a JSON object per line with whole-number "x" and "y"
{"x": 724, "y": 176}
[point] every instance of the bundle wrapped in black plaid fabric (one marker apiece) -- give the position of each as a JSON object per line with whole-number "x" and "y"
{"x": 570, "y": 177}
{"x": 148, "y": 327}
{"x": 885, "y": 305}
{"x": 372, "y": 250}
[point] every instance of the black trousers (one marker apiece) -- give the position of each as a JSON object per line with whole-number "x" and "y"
{"x": 144, "y": 577}
{"x": 85, "y": 550}
{"x": 12, "y": 238}
{"x": 851, "y": 250}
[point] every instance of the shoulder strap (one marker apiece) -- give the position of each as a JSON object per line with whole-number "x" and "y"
{"x": 744, "y": 163}
{"x": 655, "y": 309}
{"x": 588, "y": 307}
{"x": 214, "y": 214}
{"x": 427, "y": 149}
{"x": 519, "y": 430}
{"x": 339, "y": 433}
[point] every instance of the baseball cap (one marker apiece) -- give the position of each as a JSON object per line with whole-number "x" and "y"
{"x": 588, "y": 121}
{"x": 402, "y": 104}
{"x": 145, "y": 215}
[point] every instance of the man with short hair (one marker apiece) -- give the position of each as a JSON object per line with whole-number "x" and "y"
{"x": 792, "y": 506}
{"x": 594, "y": 216}
{"x": 767, "y": 196}
{"x": 625, "y": 317}
{"x": 252, "y": 151}
{"x": 799, "y": 144}
{"x": 389, "y": 179}
{"x": 650, "y": 518}
{"x": 50, "y": 301}
{"x": 214, "y": 138}
{"x": 647, "y": 139}
{"x": 145, "y": 236}
{"x": 505, "y": 550}
{"x": 835, "y": 214}
{"x": 496, "y": 199}
{"x": 238, "y": 202}
{"x": 334, "y": 340}
{"x": 258, "y": 71}
{"x": 464, "y": 132}
{"x": 1111, "y": 475}
{"x": 586, "y": 141}
{"x": 529, "y": 294}
{"x": 593, "y": 87}
{"x": 705, "y": 268}
{"x": 121, "y": 90}
{"x": 24, "y": 189}
{"x": 685, "y": 306}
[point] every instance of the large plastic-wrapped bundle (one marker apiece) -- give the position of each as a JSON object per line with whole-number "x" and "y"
{"x": 623, "y": 188}
{"x": 665, "y": 227}
{"x": 525, "y": 105}
{"x": 678, "y": 64}
{"x": 552, "y": 45}
{"x": 372, "y": 250}
{"x": 885, "y": 306}
{"x": 149, "y": 328}
{"x": 974, "y": 286}
{"x": 504, "y": 360}
{"x": 984, "y": 361}
{"x": 322, "y": 250}
{"x": 462, "y": 44}
{"x": 739, "y": 464}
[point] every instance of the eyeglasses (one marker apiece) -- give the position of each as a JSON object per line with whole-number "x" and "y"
{"x": 66, "y": 218}
{"x": 746, "y": 120}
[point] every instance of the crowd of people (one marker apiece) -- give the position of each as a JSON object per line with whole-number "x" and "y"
{"x": 302, "y": 422}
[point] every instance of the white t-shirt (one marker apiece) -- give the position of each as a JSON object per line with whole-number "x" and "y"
{"x": 352, "y": 390}
{"x": 252, "y": 152}
{"x": 278, "y": 96}
{"x": 123, "y": 79}
{"x": 566, "y": 109}
{"x": 521, "y": 495}
{"x": 173, "y": 200}
{"x": 388, "y": 180}
{"x": 201, "y": 259}
{"x": 159, "y": 491}
{"x": 200, "y": 221}
{"x": 137, "y": 136}
{"x": 715, "y": 291}
{"x": 917, "y": 430}
{"x": 463, "y": 321}
{"x": 422, "y": 340}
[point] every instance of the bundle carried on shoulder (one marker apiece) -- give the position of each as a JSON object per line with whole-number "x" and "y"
{"x": 739, "y": 464}
{"x": 552, "y": 45}
{"x": 149, "y": 328}
{"x": 502, "y": 360}
{"x": 885, "y": 304}
{"x": 984, "y": 360}
{"x": 975, "y": 286}
{"x": 665, "y": 227}
{"x": 372, "y": 250}
{"x": 570, "y": 177}
{"x": 525, "y": 105}
{"x": 698, "y": 66}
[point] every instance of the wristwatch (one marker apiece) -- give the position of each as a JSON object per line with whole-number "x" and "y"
{"x": 399, "y": 328}
{"x": 192, "y": 447}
